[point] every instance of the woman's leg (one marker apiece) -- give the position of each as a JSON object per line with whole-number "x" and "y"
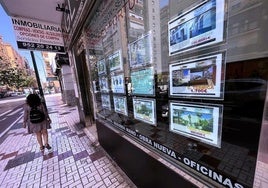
{"x": 45, "y": 136}
{"x": 39, "y": 138}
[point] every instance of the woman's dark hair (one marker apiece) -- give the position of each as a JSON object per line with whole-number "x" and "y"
{"x": 33, "y": 100}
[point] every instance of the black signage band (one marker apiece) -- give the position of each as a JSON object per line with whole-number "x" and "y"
{"x": 40, "y": 47}
{"x": 208, "y": 172}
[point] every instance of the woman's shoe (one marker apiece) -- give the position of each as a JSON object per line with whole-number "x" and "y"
{"x": 42, "y": 148}
{"x": 48, "y": 146}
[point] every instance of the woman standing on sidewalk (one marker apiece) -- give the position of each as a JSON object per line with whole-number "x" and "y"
{"x": 37, "y": 119}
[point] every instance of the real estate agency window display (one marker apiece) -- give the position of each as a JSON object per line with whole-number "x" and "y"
{"x": 164, "y": 79}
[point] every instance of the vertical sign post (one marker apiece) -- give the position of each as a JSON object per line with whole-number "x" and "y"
{"x": 38, "y": 78}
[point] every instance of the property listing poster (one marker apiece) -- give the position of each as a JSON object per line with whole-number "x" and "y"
{"x": 105, "y": 101}
{"x": 201, "y": 26}
{"x": 201, "y": 78}
{"x": 120, "y": 105}
{"x": 140, "y": 52}
{"x": 118, "y": 83}
{"x": 199, "y": 122}
{"x": 143, "y": 82}
{"x": 115, "y": 61}
{"x": 103, "y": 82}
{"x": 101, "y": 67}
{"x": 144, "y": 110}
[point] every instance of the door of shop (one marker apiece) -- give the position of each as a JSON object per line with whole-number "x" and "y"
{"x": 83, "y": 79}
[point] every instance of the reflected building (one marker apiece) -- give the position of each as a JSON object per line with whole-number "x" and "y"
{"x": 136, "y": 21}
{"x": 3, "y": 55}
{"x": 52, "y": 83}
{"x": 247, "y": 28}
{"x": 164, "y": 17}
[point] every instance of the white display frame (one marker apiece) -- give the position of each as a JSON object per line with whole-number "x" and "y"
{"x": 147, "y": 118}
{"x": 140, "y": 51}
{"x": 118, "y": 83}
{"x": 117, "y": 55}
{"x": 101, "y": 66}
{"x": 105, "y": 101}
{"x": 103, "y": 83}
{"x": 140, "y": 83}
{"x": 202, "y": 77}
{"x": 183, "y": 38}
{"x": 195, "y": 113}
{"x": 120, "y": 105}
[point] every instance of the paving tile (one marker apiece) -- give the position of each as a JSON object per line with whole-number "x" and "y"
{"x": 65, "y": 155}
{"x": 81, "y": 155}
{"x": 61, "y": 129}
{"x": 19, "y": 160}
{"x": 82, "y": 135}
{"x": 98, "y": 184}
{"x": 9, "y": 155}
{"x": 97, "y": 155}
{"x": 50, "y": 155}
{"x": 73, "y": 162}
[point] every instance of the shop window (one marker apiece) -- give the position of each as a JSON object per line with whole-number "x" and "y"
{"x": 190, "y": 88}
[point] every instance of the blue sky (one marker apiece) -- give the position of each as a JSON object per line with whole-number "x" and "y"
{"x": 6, "y": 31}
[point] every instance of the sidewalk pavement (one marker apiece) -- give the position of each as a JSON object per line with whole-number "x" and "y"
{"x": 76, "y": 159}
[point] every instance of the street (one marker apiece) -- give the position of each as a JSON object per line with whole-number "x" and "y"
{"x": 11, "y": 110}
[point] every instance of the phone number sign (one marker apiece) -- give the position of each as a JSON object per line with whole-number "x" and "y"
{"x": 41, "y": 47}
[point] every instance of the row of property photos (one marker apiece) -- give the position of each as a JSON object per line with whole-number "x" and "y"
{"x": 195, "y": 78}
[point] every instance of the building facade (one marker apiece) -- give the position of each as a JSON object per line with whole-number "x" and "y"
{"x": 52, "y": 82}
{"x": 12, "y": 67}
{"x": 10, "y": 57}
{"x": 177, "y": 89}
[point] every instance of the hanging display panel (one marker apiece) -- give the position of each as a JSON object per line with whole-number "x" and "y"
{"x": 140, "y": 52}
{"x": 103, "y": 81}
{"x": 144, "y": 110}
{"x": 120, "y": 105}
{"x": 201, "y": 26}
{"x": 198, "y": 121}
{"x": 105, "y": 101}
{"x": 201, "y": 78}
{"x": 101, "y": 65}
{"x": 143, "y": 82}
{"x": 118, "y": 84}
{"x": 115, "y": 61}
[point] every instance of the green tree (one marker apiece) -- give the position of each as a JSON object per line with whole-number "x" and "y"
{"x": 16, "y": 78}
